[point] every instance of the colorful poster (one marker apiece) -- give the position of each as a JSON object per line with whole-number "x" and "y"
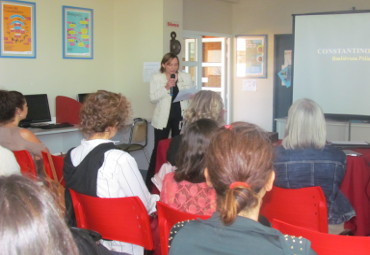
{"x": 78, "y": 39}
{"x": 254, "y": 53}
{"x": 251, "y": 55}
{"x": 17, "y": 29}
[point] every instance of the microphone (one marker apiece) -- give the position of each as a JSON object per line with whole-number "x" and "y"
{"x": 173, "y": 76}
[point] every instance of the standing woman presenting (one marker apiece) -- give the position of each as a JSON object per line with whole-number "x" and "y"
{"x": 167, "y": 115}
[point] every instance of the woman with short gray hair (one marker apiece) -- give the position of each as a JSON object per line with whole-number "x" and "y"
{"x": 305, "y": 160}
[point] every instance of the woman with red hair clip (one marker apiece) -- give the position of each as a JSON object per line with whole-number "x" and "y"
{"x": 239, "y": 165}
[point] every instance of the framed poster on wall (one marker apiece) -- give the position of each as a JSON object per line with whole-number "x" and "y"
{"x": 17, "y": 29}
{"x": 251, "y": 56}
{"x": 77, "y": 32}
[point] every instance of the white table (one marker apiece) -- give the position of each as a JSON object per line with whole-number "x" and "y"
{"x": 59, "y": 140}
{"x": 336, "y": 130}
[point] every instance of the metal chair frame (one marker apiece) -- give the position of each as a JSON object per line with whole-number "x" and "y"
{"x": 138, "y": 137}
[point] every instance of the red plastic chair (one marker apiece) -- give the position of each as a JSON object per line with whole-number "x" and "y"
{"x": 58, "y": 162}
{"x": 167, "y": 217}
{"x": 26, "y": 163}
{"x": 161, "y": 158}
{"x": 122, "y": 219}
{"x": 67, "y": 110}
{"x": 327, "y": 244}
{"x": 305, "y": 207}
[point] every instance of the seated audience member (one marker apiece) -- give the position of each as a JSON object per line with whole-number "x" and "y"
{"x": 13, "y": 109}
{"x": 205, "y": 104}
{"x": 97, "y": 168}
{"x": 31, "y": 223}
{"x": 305, "y": 159}
{"x": 8, "y": 163}
{"x": 239, "y": 164}
{"x": 186, "y": 189}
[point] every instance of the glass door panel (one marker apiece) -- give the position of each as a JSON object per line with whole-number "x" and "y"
{"x": 206, "y": 58}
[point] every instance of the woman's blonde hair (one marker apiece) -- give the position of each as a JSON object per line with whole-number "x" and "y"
{"x": 205, "y": 104}
{"x": 241, "y": 153}
{"x": 305, "y": 127}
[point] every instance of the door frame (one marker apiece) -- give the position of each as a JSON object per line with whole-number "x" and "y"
{"x": 226, "y": 90}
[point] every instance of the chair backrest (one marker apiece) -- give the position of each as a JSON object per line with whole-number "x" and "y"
{"x": 122, "y": 219}
{"x": 67, "y": 110}
{"x": 26, "y": 163}
{"x": 327, "y": 244}
{"x": 139, "y": 132}
{"x": 305, "y": 207}
{"x": 167, "y": 217}
{"x": 58, "y": 162}
{"x": 161, "y": 156}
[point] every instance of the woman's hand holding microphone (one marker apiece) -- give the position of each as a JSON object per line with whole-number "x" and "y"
{"x": 171, "y": 83}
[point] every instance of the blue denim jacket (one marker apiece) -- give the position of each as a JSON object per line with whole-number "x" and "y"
{"x": 312, "y": 167}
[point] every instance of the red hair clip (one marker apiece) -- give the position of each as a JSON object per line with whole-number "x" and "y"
{"x": 229, "y": 127}
{"x": 239, "y": 184}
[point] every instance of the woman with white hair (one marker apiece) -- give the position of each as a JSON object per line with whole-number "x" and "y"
{"x": 305, "y": 160}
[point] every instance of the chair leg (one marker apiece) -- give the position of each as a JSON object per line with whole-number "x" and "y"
{"x": 146, "y": 155}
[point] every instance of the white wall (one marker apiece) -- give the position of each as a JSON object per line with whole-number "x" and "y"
{"x": 138, "y": 38}
{"x": 208, "y": 16}
{"x": 141, "y": 35}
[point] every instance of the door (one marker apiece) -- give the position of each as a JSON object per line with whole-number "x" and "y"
{"x": 283, "y": 87}
{"x": 207, "y": 60}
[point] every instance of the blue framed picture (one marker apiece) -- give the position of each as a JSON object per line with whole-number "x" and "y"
{"x": 17, "y": 29}
{"x": 78, "y": 37}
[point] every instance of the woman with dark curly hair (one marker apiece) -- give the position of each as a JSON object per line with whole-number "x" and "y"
{"x": 13, "y": 109}
{"x": 97, "y": 168}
